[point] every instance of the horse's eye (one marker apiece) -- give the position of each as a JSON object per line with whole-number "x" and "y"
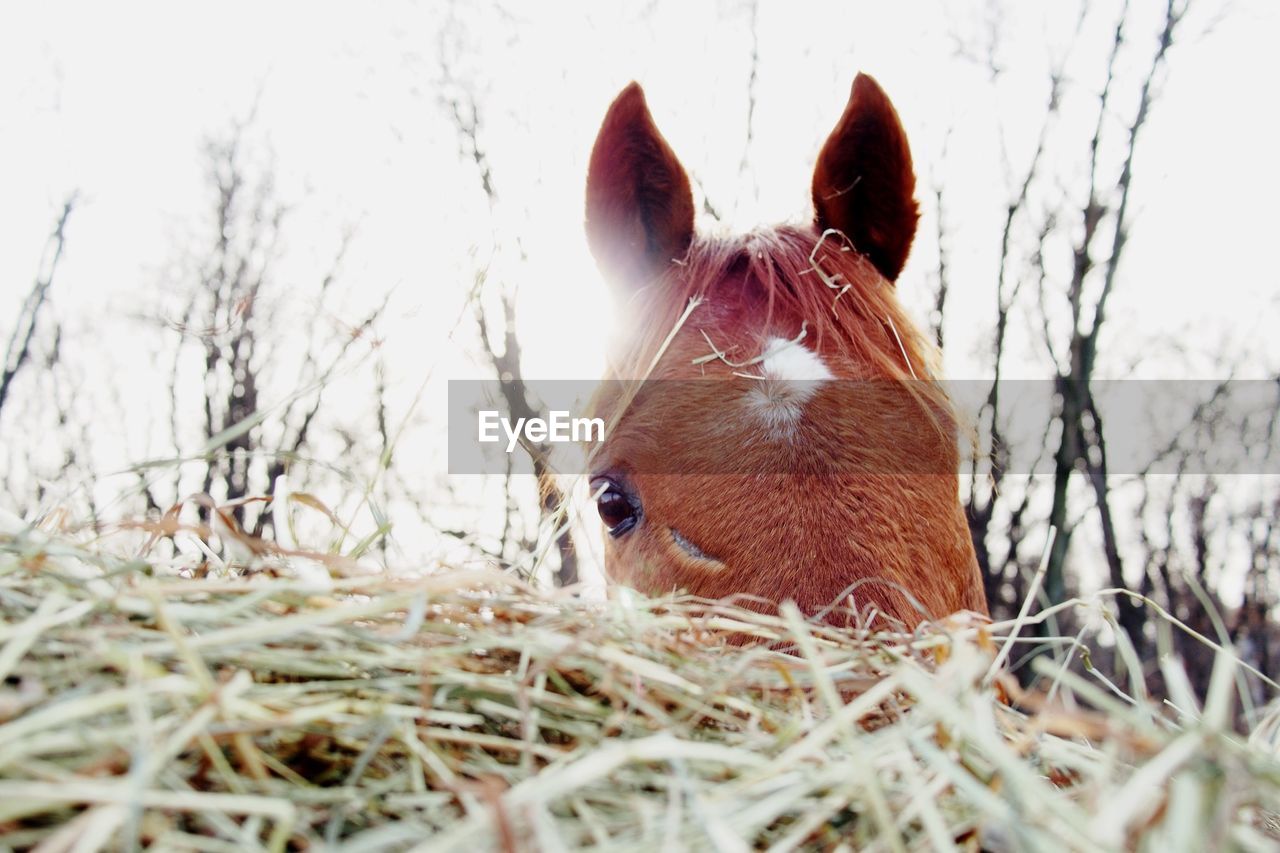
{"x": 618, "y": 510}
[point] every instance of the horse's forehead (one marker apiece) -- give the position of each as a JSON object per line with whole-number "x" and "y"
{"x": 742, "y": 315}
{"x": 789, "y": 375}
{"x": 791, "y": 360}
{"x": 733, "y": 329}
{"x": 776, "y": 367}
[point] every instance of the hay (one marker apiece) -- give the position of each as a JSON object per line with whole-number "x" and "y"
{"x": 464, "y": 711}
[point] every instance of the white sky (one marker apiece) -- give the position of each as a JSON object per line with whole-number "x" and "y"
{"x": 114, "y": 100}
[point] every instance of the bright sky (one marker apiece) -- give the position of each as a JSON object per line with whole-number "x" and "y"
{"x": 114, "y": 100}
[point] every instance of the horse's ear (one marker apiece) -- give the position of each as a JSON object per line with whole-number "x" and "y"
{"x": 639, "y": 205}
{"x": 864, "y": 185}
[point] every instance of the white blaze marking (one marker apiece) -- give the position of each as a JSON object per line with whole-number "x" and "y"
{"x": 790, "y": 374}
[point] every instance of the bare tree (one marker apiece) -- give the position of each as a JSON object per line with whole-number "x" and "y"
{"x": 1002, "y": 579}
{"x": 1169, "y": 543}
{"x": 18, "y": 351}
{"x": 266, "y": 356}
{"x": 1093, "y": 215}
{"x": 500, "y": 343}
{"x": 46, "y": 438}
{"x": 1082, "y": 444}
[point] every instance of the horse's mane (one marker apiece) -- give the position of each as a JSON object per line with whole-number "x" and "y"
{"x": 844, "y": 301}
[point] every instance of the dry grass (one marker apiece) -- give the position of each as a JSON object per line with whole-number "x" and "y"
{"x": 467, "y": 712}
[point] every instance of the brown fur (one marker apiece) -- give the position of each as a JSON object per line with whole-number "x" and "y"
{"x": 639, "y": 207}
{"x": 863, "y": 184}
{"x": 833, "y": 506}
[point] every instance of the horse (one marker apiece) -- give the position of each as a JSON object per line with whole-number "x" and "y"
{"x": 776, "y": 430}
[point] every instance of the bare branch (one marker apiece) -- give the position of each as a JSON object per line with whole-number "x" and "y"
{"x": 1173, "y": 15}
{"x": 18, "y": 351}
{"x": 506, "y": 363}
{"x": 751, "y": 87}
